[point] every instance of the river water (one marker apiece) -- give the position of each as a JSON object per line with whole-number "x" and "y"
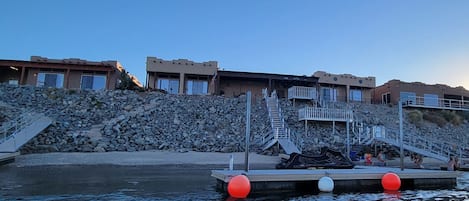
{"x": 141, "y": 183}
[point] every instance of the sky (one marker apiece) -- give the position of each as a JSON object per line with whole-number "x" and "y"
{"x": 411, "y": 40}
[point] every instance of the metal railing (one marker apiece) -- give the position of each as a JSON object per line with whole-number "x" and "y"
{"x": 435, "y": 148}
{"x": 8, "y": 129}
{"x": 324, "y": 114}
{"x": 438, "y": 103}
{"x": 299, "y": 92}
{"x": 280, "y": 129}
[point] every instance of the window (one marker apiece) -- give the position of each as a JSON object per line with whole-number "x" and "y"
{"x": 169, "y": 85}
{"x": 408, "y": 98}
{"x": 50, "y": 80}
{"x": 95, "y": 82}
{"x": 386, "y": 98}
{"x": 355, "y": 95}
{"x": 197, "y": 87}
{"x": 329, "y": 94}
{"x": 430, "y": 100}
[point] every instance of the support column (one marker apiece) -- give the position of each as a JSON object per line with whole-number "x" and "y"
{"x": 306, "y": 127}
{"x": 21, "y": 81}
{"x": 108, "y": 79}
{"x": 181, "y": 83}
{"x": 67, "y": 78}
{"x": 347, "y": 95}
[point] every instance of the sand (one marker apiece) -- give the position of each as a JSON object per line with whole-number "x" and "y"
{"x": 175, "y": 158}
{"x": 142, "y": 158}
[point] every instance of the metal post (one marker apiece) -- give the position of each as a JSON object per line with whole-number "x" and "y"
{"x": 401, "y": 136}
{"x": 248, "y": 130}
{"x": 348, "y": 139}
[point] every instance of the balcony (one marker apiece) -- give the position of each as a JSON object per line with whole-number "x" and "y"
{"x": 299, "y": 92}
{"x": 435, "y": 103}
{"x": 325, "y": 114}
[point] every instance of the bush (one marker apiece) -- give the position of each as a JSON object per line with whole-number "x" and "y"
{"x": 415, "y": 117}
{"x": 435, "y": 118}
{"x": 452, "y": 116}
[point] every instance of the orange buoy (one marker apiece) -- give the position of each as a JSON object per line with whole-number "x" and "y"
{"x": 239, "y": 186}
{"x": 391, "y": 181}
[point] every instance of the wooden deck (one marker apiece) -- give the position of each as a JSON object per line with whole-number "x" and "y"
{"x": 360, "y": 176}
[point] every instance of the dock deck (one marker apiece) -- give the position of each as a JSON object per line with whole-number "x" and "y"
{"x": 8, "y": 157}
{"x": 352, "y": 179}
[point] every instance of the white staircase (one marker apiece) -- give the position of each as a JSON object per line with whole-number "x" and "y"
{"x": 19, "y": 131}
{"x": 280, "y": 133}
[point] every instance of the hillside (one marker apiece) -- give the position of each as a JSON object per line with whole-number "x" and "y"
{"x": 101, "y": 121}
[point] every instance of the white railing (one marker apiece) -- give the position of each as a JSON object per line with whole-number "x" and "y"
{"x": 435, "y": 148}
{"x": 325, "y": 114}
{"x": 441, "y": 103}
{"x": 281, "y": 131}
{"x": 9, "y": 128}
{"x": 299, "y": 92}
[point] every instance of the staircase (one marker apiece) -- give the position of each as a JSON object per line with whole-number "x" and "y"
{"x": 19, "y": 131}
{"x": 433, "y": 148}
{"x": 280, "y": 133}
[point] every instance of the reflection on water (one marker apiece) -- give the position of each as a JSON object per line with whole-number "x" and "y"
{"x": 70, "y": 183}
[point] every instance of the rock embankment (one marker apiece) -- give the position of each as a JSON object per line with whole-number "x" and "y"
{"x": 103, "y": 121}
{"x": 98, "y": 121}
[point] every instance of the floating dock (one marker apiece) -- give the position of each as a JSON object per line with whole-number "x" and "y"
{"x": 8, "y": 157}
{"x": 359, "y": 179}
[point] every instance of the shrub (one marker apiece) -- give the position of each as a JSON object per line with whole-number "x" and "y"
{"x": 452, "y": 116}
{"x": 435, "y": 118}
{"x": 415, "y": 117}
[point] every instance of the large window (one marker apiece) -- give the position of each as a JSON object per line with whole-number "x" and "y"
{"x": 197, "y": 87}
{"x": 50, "y": 80}
{"x": 169, "y": 85}
{"x": 329, "y": 94}
{"x": 356, "y": 95}
{"x": 430, "y": 100}
{"x": 408, "y": 98}
{"x": 95, "y": 82}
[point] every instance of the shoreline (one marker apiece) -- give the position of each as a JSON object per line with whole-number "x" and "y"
{"x": 143, "y": 158}
{"x": 189, "y": 159}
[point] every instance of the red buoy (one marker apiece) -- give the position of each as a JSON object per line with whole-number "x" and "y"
{"x": 391, "y": 181}
{"x": 239, "y": 186}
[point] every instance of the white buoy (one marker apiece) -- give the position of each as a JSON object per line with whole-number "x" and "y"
{"x": 326, "y": 184}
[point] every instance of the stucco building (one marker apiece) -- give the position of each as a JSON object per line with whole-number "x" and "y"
{"x": 422, "y": 95}
{"x": 344, "y": 87}
{"x": 63, "y": 73}
{"x": 181, "y": 76}
{"x": 235, "y": 83}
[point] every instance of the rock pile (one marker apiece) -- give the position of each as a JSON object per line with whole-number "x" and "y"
{"x": 99, "y": 121}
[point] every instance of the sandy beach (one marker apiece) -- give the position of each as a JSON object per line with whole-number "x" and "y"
{"x": 174, "y": 158}
{"x": 142, "y": 158}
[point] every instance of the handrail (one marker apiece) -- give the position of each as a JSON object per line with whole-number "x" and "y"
{"x": 328, "y": 114}
{"x": 8, "y": 129}
{"x": 430, "y": 145}
{"x": 435, "y": 102}
{"x": 301, "y": 92}
{"x": 281, "y": 132}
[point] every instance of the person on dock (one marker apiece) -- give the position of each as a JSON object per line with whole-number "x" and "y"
{"x": 418, "y": 160}
{"x": 380, "y": 158}
{"x": 451, "y": 164}
{"x": 368, "y": 159}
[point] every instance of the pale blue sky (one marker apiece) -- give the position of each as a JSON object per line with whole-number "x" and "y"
{"x": 410, "y": 40}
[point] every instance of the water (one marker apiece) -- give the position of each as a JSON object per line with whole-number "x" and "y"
{"x": 141, "y": 183}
